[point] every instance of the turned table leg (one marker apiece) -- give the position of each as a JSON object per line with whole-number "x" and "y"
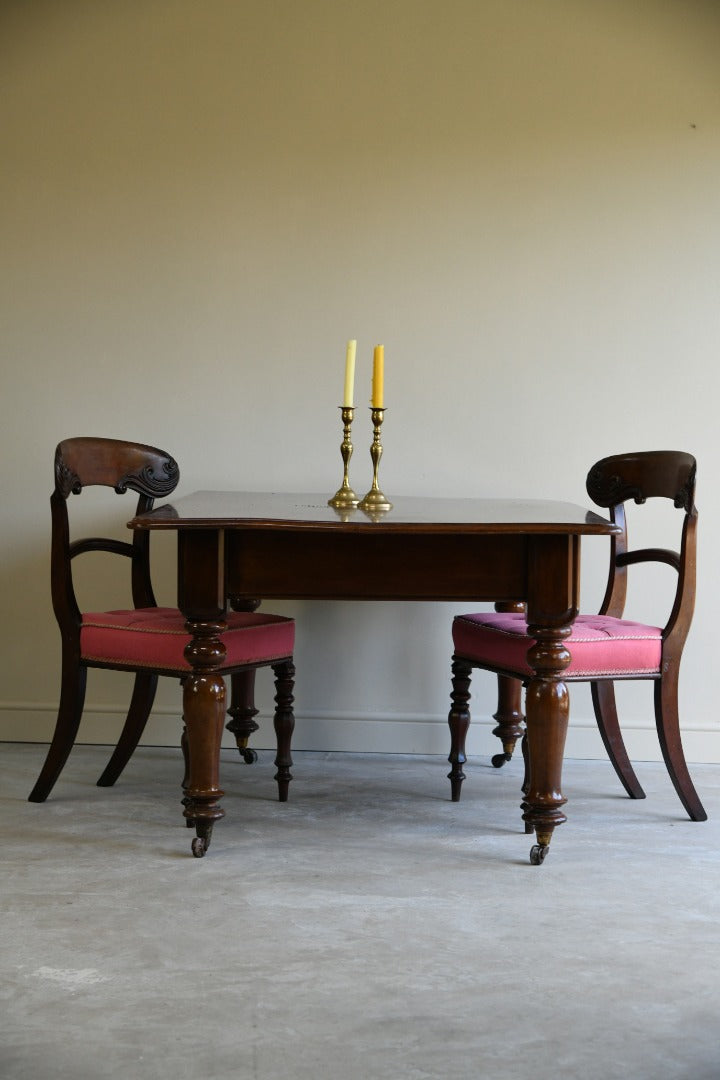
{"x": 547, "y": 708}
{"x": 201, "y": 598}
{"x": 552, "y": 607}
{"x": 204, "y": 715}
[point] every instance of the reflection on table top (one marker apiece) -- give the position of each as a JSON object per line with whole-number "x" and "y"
{"x": 218, "y": 509}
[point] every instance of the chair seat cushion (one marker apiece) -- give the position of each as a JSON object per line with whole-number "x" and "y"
{"x": 599, "y": 645}
{"x": 156, "y": 637}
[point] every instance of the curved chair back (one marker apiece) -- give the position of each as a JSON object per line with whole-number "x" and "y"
{"x": 86, "y": 461}
{"x": 665, "y": 474}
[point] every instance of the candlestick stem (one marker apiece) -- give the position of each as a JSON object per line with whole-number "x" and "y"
{"x": 375, "y": 500}
{"x": 345, "y": 497}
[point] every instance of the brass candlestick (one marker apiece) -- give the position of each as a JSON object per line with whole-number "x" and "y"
{"x": 345, "y": 498}
{"x": 375, "y": 500}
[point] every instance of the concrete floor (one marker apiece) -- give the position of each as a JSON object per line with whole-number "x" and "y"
{"x": 367, "y": 929}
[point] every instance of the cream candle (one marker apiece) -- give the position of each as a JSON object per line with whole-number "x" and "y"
{"x": 378, "y": 379}
{"x": 349, "y": 374}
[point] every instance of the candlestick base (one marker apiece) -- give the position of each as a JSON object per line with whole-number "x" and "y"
{"x": 344, "y": 499}
{"x": 374, "y": 501}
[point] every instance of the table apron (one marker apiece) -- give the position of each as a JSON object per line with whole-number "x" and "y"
{"x": 276, "y": 564}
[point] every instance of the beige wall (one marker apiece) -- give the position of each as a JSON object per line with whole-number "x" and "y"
{"x": 202, "y": 201}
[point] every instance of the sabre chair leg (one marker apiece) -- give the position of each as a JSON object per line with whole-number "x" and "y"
{"x": 603, "y": 699}
{"x": 668, "y": 727}
{"x": 284, "y": 722}
{"x": 140, "y": 705}
{"x": 72, "y": 699}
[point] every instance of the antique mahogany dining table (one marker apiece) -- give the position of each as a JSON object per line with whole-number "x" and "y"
{"x": 242, "y": 547}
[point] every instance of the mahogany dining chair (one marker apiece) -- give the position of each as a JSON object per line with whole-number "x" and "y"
{"x": 145, "y": 639}
{"x": 604, "y": 648}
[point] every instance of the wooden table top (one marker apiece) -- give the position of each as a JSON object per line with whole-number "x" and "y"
{"x": 261, "y": 510}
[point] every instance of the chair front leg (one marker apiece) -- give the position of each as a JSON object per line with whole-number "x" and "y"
{"x": 242, "y": 712}
{"x": 186, "y": 775}
{"x": 509, "y": 715}
{"x": 458, "y": 722}
{"x": 510, "y": 718}
{"x": 526, "y": 776}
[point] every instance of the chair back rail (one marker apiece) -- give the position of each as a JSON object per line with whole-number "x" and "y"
{"x": 668, "y": 474}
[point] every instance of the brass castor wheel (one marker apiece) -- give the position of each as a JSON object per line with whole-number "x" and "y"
{"x": 199, "y": 847}
{"x": 538, "y": 853}
{"x": 498, "y": 760}
{"x": 249, "y": 756}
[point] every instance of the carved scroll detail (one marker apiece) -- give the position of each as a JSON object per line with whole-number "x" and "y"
{"x": 611, "y": 490}
{"x": 147, "y": 481}
{"x": 685, "y": 497}
{"x": 66, "y": 481}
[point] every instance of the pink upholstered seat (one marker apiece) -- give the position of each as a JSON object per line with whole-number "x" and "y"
{"x": 599, "y": 645}
{"x": 156, "y": 638}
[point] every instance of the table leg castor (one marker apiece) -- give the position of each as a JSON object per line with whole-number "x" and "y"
{"x": 201, "y": 842}
{"x": 538, "y": 853}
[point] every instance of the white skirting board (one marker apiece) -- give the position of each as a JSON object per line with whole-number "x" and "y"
{"x": 385, "y": 734}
